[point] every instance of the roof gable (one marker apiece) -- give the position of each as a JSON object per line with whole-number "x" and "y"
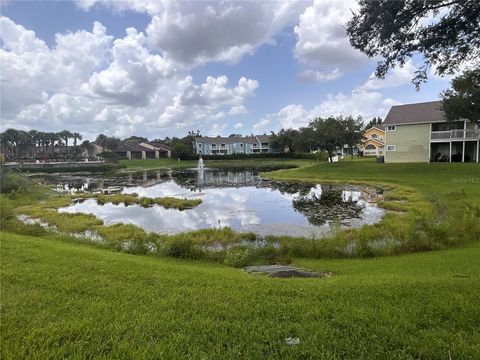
{"x": 419, "y": 113}
{"x": 373, "y": 128}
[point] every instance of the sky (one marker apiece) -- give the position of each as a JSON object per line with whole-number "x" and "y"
{"x": 162, "y": 68}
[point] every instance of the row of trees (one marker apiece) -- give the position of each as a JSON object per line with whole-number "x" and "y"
{"x": 321, "y": 134}
{"x": 37, "y": 143}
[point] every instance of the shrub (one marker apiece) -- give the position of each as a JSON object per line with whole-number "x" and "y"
{"x": 182, "y": 248}
{"x": 238, "y": 256}
{"x": 13, "y": 184}
{"x": 109, "y": 156}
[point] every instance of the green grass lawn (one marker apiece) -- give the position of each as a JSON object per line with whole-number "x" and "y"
{"x": 434, "y": 180}
{"x": 67, "y": 300}
{"x": 149, "y": 164}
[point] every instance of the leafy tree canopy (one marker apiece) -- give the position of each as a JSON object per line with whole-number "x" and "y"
{"x": 112, "y": 143}
{"x": 445, "y": 32}
{"x": 136, "y": 139}
{"x": 462, "y": 101}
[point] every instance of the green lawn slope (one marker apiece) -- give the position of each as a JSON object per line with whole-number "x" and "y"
{"x": 67, "y": 300}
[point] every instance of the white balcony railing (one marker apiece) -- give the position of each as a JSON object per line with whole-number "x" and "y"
{"x": 469, "y": 134}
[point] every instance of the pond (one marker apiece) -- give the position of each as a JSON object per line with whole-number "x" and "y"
{"x": 239, "y": 199}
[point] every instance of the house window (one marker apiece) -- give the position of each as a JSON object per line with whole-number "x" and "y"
{"x": 370, "y": 147}
{"x": 391, "y": 128}
{"x": 199, "y": 145}
{"x": 241, "y": 145}
{"x": 391, "y": 147}
{"x": 223, "y": 145}
{"x": 214, "y": 145}
{"x": 373, "y": 136}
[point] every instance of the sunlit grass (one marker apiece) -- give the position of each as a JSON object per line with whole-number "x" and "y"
{"x": 66, "y": 300}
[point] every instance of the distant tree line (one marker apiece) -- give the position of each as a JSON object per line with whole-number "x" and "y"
{"x": 35, "y": 143}
{"x": 321, "y": 134}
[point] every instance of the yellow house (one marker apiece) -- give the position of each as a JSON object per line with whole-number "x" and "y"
{"x": 374, "y": 142}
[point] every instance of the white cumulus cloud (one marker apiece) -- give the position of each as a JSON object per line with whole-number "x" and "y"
{"x": 322, "y": 41}
{"x": 90, "y": 83}
{"x": 366, "y": 104}
{"x": 195, "y": 32}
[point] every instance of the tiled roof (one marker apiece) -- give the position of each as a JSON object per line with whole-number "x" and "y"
{"x": 226, "y": 140}
{"x": 419, "y": 113}
{"x": 159, "y": 145}
{"x": 134, "y": 147}
{"x": 263, "y": 138}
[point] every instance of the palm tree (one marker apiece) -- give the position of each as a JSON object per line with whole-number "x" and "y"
{"x": 52, "y": 137}
{"x": 16, "y": 139}
{"x": 7, "y": 139}
{"x": 43, "y": 142}
{"x": 33, "y": 136}
{"x": 76, "y": 136}
{"x": 65, "y": 135}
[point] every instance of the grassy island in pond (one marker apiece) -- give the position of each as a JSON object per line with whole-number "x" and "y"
{"x": 166, "y": 202}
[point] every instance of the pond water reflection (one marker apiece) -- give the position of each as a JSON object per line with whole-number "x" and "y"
{"x": 239, "y": 199}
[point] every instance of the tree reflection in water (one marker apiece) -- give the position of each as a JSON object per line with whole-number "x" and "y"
{"x": 319, "y": 205}
{"x": 332, "y": 203}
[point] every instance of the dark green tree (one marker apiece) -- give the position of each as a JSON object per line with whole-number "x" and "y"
{"x": 306, "y": 140}
{"x": 331, "y": 133}
{"x": 101, "y": 140}
{"x": 372, "y": 123}
{"x": 394, "y": 31}
{"x": 112, "y": 143}
{"x": 88, "y": 146}
{"x": 181, "y": 150}
{"x": 284, "y": 140}
{"x": 462, "y": 101}
{"x": 353, "y": 131}
{"x": 136, "y": 139}
{"x": 65, "y": 135}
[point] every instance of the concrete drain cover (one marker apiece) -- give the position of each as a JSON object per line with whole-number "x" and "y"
{"x": 283, "y": 271}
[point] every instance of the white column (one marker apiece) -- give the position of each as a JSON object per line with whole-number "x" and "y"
{"x": 478, "y": 151}
{"x": 144, "y": 155}
{"x": 157, "y": 154}
{"x": 450, "y": 154}
{"x": 463, "y": 151}
{"x": 430, "y": 145}
{"x": 129, "y": 155}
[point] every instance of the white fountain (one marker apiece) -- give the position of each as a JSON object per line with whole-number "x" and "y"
{"x": 200, "y": 171}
